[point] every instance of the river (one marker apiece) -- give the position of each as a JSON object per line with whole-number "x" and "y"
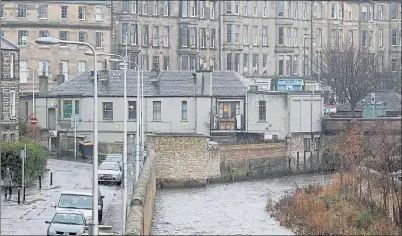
{"x": 225, "y": 209}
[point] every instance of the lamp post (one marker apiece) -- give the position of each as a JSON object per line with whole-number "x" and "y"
{"x": 140, "y": 126}
{"x": 33, "y": 100}
{"x": 89, "y": 53}
{"x": 54, "y": 41}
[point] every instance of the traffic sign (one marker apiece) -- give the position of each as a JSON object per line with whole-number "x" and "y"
{"x": 33, "y": 120}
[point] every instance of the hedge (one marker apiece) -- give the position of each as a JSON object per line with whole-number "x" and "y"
{"x": 35, "y": 164}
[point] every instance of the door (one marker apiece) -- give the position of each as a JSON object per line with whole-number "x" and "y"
{"x": 51, "y": 119}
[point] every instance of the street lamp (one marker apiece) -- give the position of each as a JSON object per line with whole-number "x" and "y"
{"x": 89, "y": 53}
{"x": 140, "y": 120}
{"x": 54, "y": 41}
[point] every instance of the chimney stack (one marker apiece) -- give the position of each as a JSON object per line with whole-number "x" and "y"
{"x": 60, "y": 77}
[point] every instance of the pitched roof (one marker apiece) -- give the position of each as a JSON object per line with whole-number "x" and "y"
{"x": 170, "y": 84}
{"x": 7, "y": 44}
{"x": 390, "y": 98}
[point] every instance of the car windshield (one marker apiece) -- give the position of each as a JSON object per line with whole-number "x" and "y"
{"x": 68, "y": 218}
{"x": 75, "y": 201}
{"x": 109, "y": 166}
{"x": 113, "y": 158}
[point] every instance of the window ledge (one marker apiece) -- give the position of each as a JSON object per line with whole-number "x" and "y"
{"x": 184, "y": 121}
{"x": 107, "y": 121}
{"x": 156, "y": 121}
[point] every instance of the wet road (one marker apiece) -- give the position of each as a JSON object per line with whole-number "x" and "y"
{"x": 29, "y": 218}
{"x": 224, "y": 209}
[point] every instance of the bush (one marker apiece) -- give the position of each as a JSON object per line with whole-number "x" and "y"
{"x": 35, "y": 164}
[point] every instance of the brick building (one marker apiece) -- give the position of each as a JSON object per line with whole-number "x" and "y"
{"x": 9, "y": 87}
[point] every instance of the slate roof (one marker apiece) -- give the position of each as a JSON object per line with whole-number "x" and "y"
{"x": 391, "y": 99}
{"x": 171, "y": 84}
{"x": 7, "y": 44}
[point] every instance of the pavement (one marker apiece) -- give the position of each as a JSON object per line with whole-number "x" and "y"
{"x": 29, "y": 218}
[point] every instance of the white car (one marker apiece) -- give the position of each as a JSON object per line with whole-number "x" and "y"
{"x": 67, "y": 222}
{"x": 111, "y": 172}
{"x": 81, "y": 201}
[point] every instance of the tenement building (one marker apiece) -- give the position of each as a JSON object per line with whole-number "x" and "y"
{"x": 9, "y": 95}
{"x": 83, "y": 21}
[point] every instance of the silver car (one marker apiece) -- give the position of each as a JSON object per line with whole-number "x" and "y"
{"x": 114, "y": 157}
{"x": 68, "y": 222}
{"x": 111, "y": 172}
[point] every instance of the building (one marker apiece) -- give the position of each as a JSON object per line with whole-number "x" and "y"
{"x": 9, "y": 90}
{"x": 83, "y": 21}
{"x": 258, "y": 39}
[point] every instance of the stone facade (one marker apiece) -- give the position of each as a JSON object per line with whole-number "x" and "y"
{"x": 9, "y": 90}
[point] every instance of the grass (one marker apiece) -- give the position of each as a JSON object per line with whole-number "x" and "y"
{"x": 324, "y": 210}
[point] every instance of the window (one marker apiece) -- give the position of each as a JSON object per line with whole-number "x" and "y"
{"x": 255, "y": 63}
{"x": 212, "y": 42}
{"x": 255, "y": 9}
{"x": 364, "y": 38}
{"x": 166, "y": 62}
{"x": 288, "y": 36}
{"x": 42, "y": 12}
{"x": 340, "y": 10}
{"x": 2, "y": 10}
{"x": 304, "y": 9}
{"x": 245, "y": 8}
{"x": 333, "y": 37}
{"x": 370, "y": 41}
{"x": 145, "y": 35}
{"x": 22, "y": 38}
{"x": 63, "y": 12}
{"x": 65, "y": 69}
{"x": 364, "y": 13}
{"x": 237, "y": 62}
{"x": 262, "y": 110}
{"x": 340, "y": 37}
{"x": 193, "y": 9}
{"x": 295, "y": 65}
{"x": 67, "y": 109}
{"x": 393, "y": 64}
{"x": 333, "y": 10}
{"x": 245, "y": 35}
{"x": 107, "y": 110}
{"x": 43, "y": 33}
{"x": 77, "y": 107}
{"x": 12, "y": 104}
{"x": 81, "y": 36}
{"x": 393, "y": 37}
{"x": 157, "y": 108}
{"x": 236, "y": 34}
{"x": 99, "y": 39}
{"x": 296, "y": 10}
{"x": 155, "y": 36}
{"x": 193, "y": 37}
{"x": 132, "y": 110}
{"x": 229, "y": 61}
{"x": 184, "y": 8}
{"x": 166, "y": 8}
{"x": 280, "y": 65}
{"x": 237, "y": 7}
{"x": 289, "y": 65}
{"x": 22, "y": 10}
{"x": 245, "y": 63}
{"x": 394, "y": 10}
{"x": 307, "y": 142}
{"x": 134, "y": 34}
{"x": 350, "y": 12}
{"x": 166, "y": 36}
{"x": 280, "y": 8}
{"x": 125, "y": 6}
{"x": 255, "y": 35}
{"x": 380, "y": 12}
{"x": 184, "y": 63}
{"x": 229, "y": 7}
{"x": 12, "y": 65}
{"x": 63, "y": 35}
{"x": 23, "y": 72}
{"x": 295, "y": 36}
{"x": 124, "y": 33}
{"x": 317, "y": 143}
{"x": 228, "y": 33}
{"x": 287, "y": 9}
{"x": 43, "y": 68}
{"x": 212, "y": 63}
{"x": 82, "y": 66}
{"x": 319, "y": 36}
{"x": 203, "y": 41}
{"x": 280, "y": 36}
{"x": 319, "y": 10}
{"x": 155, "y": 62}
{"x": 371, "y": 13}
{"x": 264, "y": 36}
{"x": 380, "y": 37}
{"x": 155, "y": 11}
{"x": 184, "y": 110}
{"x": 81, "y": 13}
{"x": 183, "y": 37}
{"x": 99, "y": 14}
{"x": 212, "y": 10}
{"x": 145, "y": 7}
{"x": 264, "y": 63}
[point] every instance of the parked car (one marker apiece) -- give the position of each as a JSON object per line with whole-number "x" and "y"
{"x": 66, "y": 222}
{"x": 81, "y": 201}
{"x": 111, "y": 172}
{"x": 114, "y": 158}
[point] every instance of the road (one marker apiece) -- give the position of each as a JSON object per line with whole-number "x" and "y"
{"x": 29, "y": 218}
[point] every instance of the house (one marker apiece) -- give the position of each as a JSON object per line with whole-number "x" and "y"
{"x": 385, "y": 103}
{"x": 9, "y": 90}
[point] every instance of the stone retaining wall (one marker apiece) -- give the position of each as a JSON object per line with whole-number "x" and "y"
{"x": 139, "y": 220}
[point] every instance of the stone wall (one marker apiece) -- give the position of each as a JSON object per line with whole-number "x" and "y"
{"x": 139, "y": 220}
{"x": 184, "y": 160}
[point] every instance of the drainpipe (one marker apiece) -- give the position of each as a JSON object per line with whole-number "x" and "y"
{"x": 195, "y": 102}
{"x": 221, "y": 4}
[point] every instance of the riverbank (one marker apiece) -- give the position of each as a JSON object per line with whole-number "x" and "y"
{"x": 318, "y": 209}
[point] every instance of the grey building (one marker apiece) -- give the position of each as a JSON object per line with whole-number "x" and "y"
{"x": 9, "y": 90}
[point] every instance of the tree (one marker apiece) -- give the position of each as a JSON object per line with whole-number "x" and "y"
{"x": 351, "y": 73}
{"x": 390, "y": 78}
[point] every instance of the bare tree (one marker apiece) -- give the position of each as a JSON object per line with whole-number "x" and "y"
{"x": 389, "y": 76}
{"x": 350, "y": 72}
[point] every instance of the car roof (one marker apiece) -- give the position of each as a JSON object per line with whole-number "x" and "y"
{"x": 69, "y": 212}
{"x": 110, "y": 162}
{"x": 77, "y": 193}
